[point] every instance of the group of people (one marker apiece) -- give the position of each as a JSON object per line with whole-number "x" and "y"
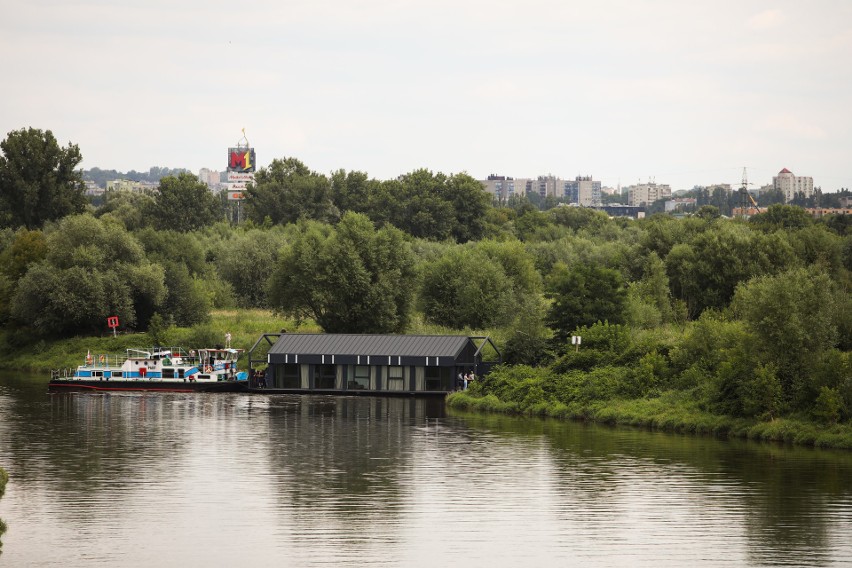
{"x": 258, "y": 378}
{"x": 464, "y": 379}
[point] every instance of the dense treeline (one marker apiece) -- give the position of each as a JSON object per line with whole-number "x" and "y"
{"x": 742, "y": 318}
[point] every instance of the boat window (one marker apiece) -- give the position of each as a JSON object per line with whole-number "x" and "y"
{"x": 361, "y": 378}
{"x": 395, "y": 378}
{"x": 290, "y": 377}
{"x": 438, "y": 378}
{"x": 324, "y": 376}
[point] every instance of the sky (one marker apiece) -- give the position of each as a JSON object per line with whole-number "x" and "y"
{"x": 683, "y": 93}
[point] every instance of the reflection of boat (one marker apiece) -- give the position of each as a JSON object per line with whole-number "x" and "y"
{"x": 157, "y": 369}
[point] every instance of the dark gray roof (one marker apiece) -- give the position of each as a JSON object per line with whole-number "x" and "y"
{"x": 370, "y": 345}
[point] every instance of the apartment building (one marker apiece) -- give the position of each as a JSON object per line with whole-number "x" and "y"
{"x": 790, "y": 184}
{"x": 644, "y": 194}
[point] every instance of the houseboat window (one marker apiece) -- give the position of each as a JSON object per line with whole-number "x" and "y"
{"x": 361, "y": 378}
{"x": 168, "y": 373}
{"x": 97, "y": 374}
{"x": 395, "y": 378}
{"x": 438, "y": 378}
{"x": 290, "y": 377}
{"x": 324, "y": 376}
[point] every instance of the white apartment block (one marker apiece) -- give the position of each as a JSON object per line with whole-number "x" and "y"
{"x": 209, "y": 177}
{"x": 130, "y": 185}
{"x": 790, "y": 184}
{"x": 645, "y": 194}
{"x": 503, "y": 187}
{"x": 582, "y": 190}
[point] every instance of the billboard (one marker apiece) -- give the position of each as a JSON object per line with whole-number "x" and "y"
{"x": 241, "y": 160}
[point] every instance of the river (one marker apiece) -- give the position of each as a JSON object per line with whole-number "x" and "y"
{"x": 150, "y": 479}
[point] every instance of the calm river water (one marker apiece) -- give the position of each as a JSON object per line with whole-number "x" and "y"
{"x": 241, "y": 480}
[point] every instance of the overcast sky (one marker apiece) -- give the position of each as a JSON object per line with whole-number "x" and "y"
{"x": 681, "y": 92}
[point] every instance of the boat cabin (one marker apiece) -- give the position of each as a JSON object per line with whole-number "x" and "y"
{"x": 367, "y": 364}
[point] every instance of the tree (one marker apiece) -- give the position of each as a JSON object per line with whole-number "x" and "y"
{"x": 93, "y": 269}
{"x": 38, "y": 180}
{"x": 583, "y": 295}
{"x": 433, "y": 206}
{"x": 782, "y": 217}
{"x": 705, "y": 271}
{"x": 132, "y": 208}
{"x": 351, "y": 191}
{"x": 470, "y": 201}
{"x": 184, "y": 204}
{"x": 466, "y": 288}
{"x": 186, "y": 301}
{"x": 794, "y": 318}
{"x": 350, "y": 278}
{"x": 420, "y": 208}
{"x": 246, "y": 261}
{"x": 288, "y": 191}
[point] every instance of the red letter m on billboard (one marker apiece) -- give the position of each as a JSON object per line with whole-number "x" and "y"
{"x": 240, "y": 159}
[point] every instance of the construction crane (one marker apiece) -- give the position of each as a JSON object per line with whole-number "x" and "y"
{"x": 746, "y": 200}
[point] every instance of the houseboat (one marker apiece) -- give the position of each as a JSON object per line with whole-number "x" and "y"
{"x": 364, "y": 364}
{"x": 156, "y": 369}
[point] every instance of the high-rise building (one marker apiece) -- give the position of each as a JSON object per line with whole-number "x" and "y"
{"x": 584, "y": 191}
{"x": 504, "y": 187}
{"x": 209, "y": 177}
{"x": 790, "y": 184}
{"x": 644, "y": 194}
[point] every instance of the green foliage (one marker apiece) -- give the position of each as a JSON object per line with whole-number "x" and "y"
{"x": 602, "y": 343}
{"x": 705, "y": 271}
{"x": 577, "y": 218}
{"x": 28, "y": 248}
{"x": 158, "y": 330}
{"x": 782, "y": 217}
{"x": 649, "y": 301}
{"x": 350, "y": 279}
{"x": 827, "y": 406}
{"x": 92, "y": 269}
{"x": 528, "y": 342}
{"x": 582, "y": 296}
{"x": 288, "y": 191}
{"x": 184, "y": 204}
{"x": 186, "y": 300}
{"x": 39, "y": 180}
{"x": 432, "y": 206}
{"x": 465, "y": 288}
{"x": 131, "y": 208}
{"x": 351, "y": 191}
{"x": 793, "y": 318}
{"x": 246, "y": 261}
{"x": 162, "y": 246}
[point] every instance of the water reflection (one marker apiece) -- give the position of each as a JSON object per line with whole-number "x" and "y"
{"x": 169, "y": 479}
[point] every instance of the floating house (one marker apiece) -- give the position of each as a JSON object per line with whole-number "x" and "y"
{"x": 367, "y": 364}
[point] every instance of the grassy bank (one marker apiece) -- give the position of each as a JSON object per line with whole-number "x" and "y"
{"x": 245, "y": 326}
{"x": 673, "y": 411}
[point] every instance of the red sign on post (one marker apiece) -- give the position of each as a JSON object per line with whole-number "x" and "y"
{"x": 112, "y": 321}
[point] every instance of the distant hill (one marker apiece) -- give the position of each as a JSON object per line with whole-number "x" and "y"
{"x": 153, "y": 175}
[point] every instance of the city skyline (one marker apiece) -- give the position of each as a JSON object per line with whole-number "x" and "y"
{"x": 682, "y": 94}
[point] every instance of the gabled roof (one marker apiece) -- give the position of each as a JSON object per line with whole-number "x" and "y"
{"x": 370, "y": 345}
{"x": 785, "y": 171}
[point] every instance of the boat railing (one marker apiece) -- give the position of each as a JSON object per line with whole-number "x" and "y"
{"x": 116, "y": 361}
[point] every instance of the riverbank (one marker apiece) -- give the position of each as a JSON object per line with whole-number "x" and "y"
{"x": 673, "y": 411}
{"x": 245, "y": 326}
